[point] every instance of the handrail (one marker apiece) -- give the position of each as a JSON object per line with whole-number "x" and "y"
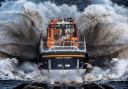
{"x": 64, "y": 43}
{"x": 53, "y": 47}
{"x": 62, "y": 47}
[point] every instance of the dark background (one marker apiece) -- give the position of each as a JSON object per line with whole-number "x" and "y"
{"x": 81, "y": 4}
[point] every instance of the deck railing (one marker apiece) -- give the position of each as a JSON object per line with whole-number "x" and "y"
{"x": 62, "y": 47}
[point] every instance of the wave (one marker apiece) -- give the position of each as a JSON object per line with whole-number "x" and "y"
{"x": 103, "y": 25}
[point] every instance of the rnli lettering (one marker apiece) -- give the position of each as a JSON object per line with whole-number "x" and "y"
{"x": 63, "y": 57}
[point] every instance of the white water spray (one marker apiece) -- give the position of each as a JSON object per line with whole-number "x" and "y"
{"x": 101, "y": 24}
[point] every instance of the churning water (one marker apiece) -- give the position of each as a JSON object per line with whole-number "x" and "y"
{"x": 103, "y": 24}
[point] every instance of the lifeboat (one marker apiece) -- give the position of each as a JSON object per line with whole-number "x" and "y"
{"x": 63, "y": 50}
